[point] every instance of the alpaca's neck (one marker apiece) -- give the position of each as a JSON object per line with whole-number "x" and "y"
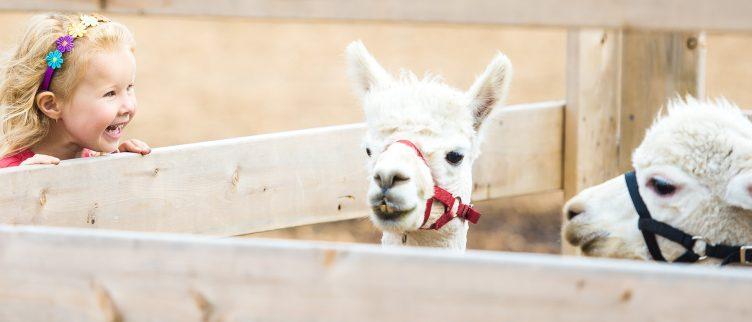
{"x": 453, "y": 236}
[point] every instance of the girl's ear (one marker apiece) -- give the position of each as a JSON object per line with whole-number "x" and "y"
{"x": 47, "y": 103}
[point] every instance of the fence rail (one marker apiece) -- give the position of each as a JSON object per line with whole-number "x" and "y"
{"x": 64, "y": 274}
{"x": 728, "y": 15}
{"x": 244, "y": 185}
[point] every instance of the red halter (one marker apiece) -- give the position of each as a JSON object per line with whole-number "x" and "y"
{"x": 464, "y": 211}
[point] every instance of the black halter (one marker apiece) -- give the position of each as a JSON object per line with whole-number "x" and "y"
{"x": 651, "y": 227}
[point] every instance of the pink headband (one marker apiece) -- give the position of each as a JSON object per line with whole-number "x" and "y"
{"x": 54, "y": 59}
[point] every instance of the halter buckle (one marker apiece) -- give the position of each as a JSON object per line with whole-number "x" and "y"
{"x": 743, "y": 254}
{"x": 704, "y": 255}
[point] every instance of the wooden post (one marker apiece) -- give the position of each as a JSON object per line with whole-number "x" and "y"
{"x": 656, "y": 66}
{"x": 617, "y": 81}
{"x": 592, "y": 111}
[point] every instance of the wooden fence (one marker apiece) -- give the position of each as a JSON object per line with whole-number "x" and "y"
{"x": 624, "y": 58}
{"x": 68, "y": 274}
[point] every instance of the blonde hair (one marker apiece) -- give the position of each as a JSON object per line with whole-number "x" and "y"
{"x": 22, "y": 124}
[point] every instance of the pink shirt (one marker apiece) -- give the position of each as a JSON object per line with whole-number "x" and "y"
{"x": 15, "y": 159}
{"x": 18, "y": 158}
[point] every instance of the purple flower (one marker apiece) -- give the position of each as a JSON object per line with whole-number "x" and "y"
{"x": 64, "y": 43}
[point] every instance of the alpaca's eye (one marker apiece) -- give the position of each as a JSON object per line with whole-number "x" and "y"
{"x": 661, "y": 186}
{"x": 454, "y": 157}
{"x": 368, "y": 151}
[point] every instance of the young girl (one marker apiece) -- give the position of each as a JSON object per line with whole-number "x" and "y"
{"x": 67, "y": 91}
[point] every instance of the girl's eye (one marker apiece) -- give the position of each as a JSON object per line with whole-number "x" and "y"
{"x": 368, "y": 151}
{"x": 661, "y": 186}
{"x": 454, "y": 157}
{"x": 110, "y": 93}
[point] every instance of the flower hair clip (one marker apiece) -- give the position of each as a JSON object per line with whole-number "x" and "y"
{"x": 64, "y": 44}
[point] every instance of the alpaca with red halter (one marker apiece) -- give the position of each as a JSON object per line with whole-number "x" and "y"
{"x": 438, "y": 124}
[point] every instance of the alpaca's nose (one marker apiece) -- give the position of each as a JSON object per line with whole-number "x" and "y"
{"x": 386, "y": 179}
{"x": 574, "y": 208}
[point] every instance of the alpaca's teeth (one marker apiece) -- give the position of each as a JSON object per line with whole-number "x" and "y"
{"x": 383, "y": 208}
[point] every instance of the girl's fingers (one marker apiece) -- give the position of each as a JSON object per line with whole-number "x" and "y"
{"x": 145, "y": 149}
{"x": 50, "y": 160}
{"x": 135, "y": 146}
{"x": 41, "y": 159}
{"x": 127, "y": 146}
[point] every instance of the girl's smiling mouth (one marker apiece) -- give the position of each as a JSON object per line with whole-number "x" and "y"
{"x": 114, "y": 131}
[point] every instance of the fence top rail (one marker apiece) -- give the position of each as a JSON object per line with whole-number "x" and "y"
{"x": 135, "y": 240}
{"x": 263, "y": 182}
{"x": 66, "y": 273}
{"x": 722, "y": 15}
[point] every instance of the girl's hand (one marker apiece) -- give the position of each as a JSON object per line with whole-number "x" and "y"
{"x": 41, "y": 159}
{"x": 135, "y": 146}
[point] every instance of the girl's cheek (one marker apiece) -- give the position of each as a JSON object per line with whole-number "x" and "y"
{"x": 104, "y": 114}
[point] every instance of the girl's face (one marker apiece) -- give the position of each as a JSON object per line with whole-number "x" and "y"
{"x": 104, "y": 101}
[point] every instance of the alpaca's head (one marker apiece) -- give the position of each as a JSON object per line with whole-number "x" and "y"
{"x": 441, "y": 121}
{"x": 694, "y": 171}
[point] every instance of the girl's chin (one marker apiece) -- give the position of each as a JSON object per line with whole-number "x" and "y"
{"x": 107, "y": 146}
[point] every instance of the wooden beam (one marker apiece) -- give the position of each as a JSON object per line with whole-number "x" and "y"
{"x": 656, "y": 66}
{"x": 731, "y": 15}
{"x": 592, "y": 111}
{"x": 617, "y": 81}
{"x": 51, "y": 5}
{"x": 258, "y": 183}
{"x": 63, "y": 274}
{"x": 526, "y": 136}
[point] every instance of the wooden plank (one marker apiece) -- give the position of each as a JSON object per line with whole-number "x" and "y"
{"x": 59, "y": 274}
{"x": 592, "y": 111}
{"x": 51, "y": 5}
{"x": 733, "y": 15}
{"x": 525, "y": 136}
{"x": 617, "y": 83}
{"x": 655, "y": 67}
{"x": 258, "y": 183}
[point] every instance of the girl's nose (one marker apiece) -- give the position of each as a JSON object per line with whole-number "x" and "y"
{"x": 128, "y": 106}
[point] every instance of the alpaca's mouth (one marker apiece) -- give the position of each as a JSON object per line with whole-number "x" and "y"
{"x": 591, "y": 244}
{"x": 586, "y": 241}
{"x": 386, "y": 210}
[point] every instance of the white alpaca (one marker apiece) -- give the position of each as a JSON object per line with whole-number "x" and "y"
{"x": 443, "y": 123}
{"x": 694, "y": 172}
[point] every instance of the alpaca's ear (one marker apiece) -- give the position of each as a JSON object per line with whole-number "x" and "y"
{"x": 364, "y": 71}
{"x": 739, "y": 190}
{"x": 490, "y": 88}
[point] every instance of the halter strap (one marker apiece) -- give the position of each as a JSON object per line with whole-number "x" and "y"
{"x": 446, "y": 198}
{"x": 651, "y": 227}
{"x": 642, "y": 211}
